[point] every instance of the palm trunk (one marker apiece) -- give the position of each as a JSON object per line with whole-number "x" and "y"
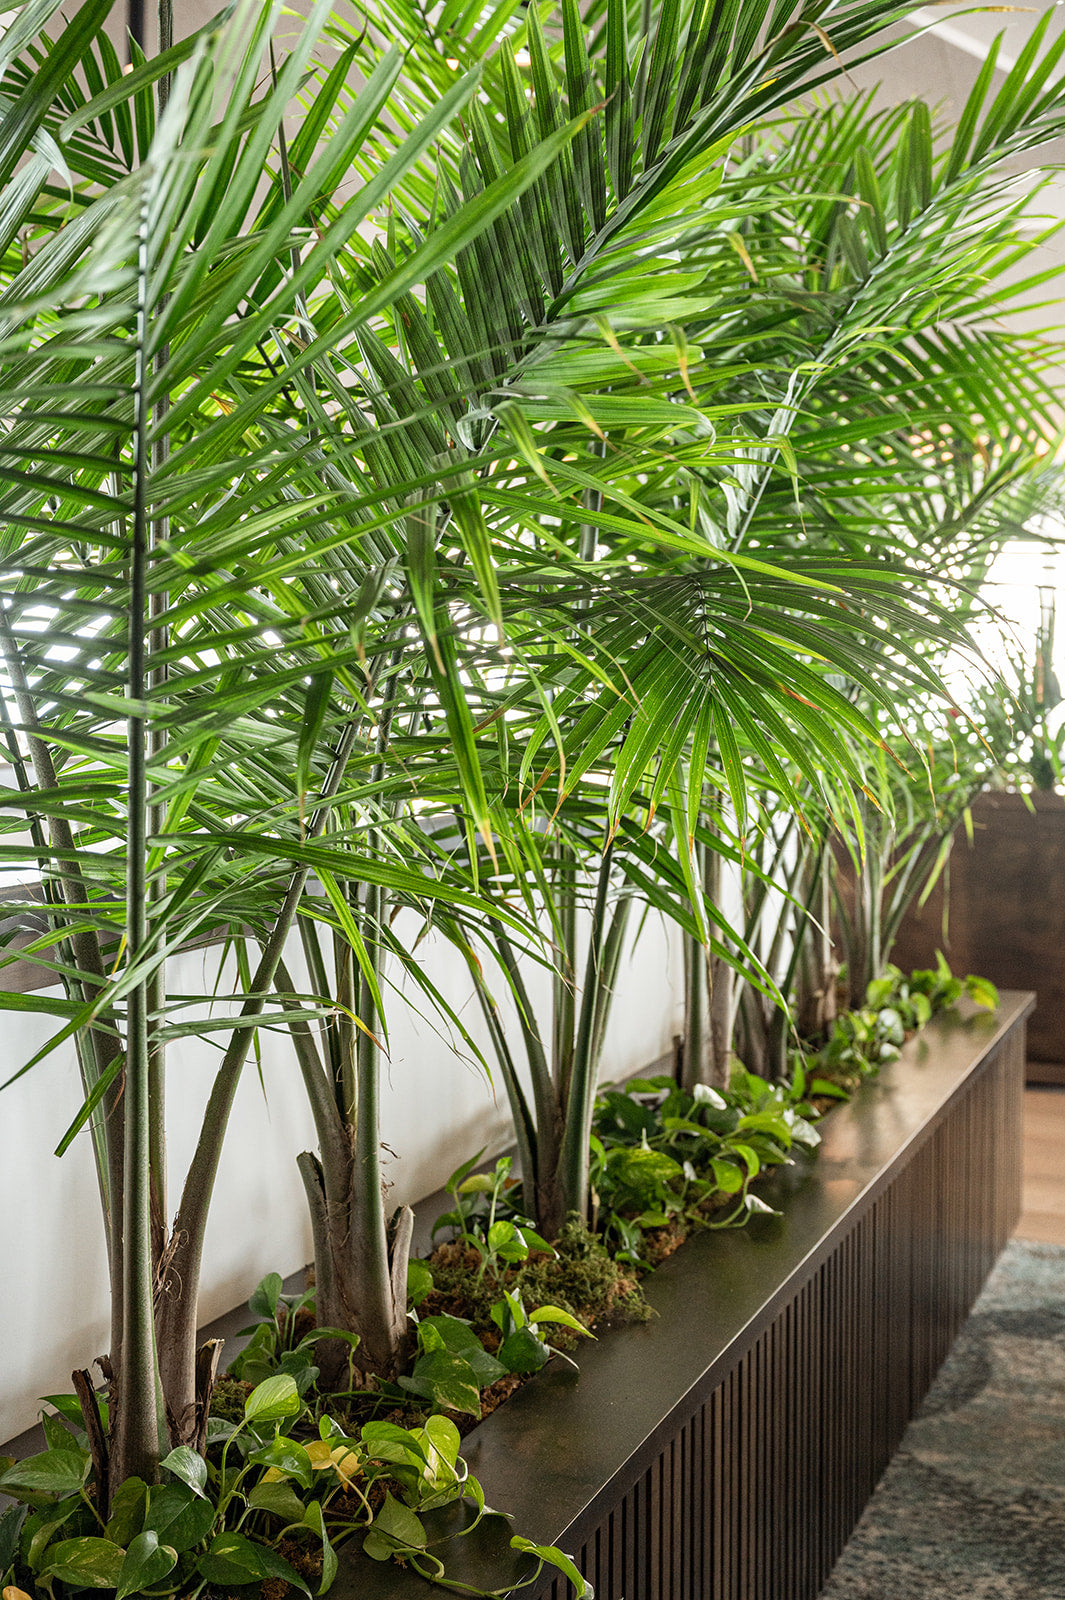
{"x": 179, "y": 1291}
{"x": 613, "y": 945}
{"x": 382, "y": 1321}
{"x": 579, "y": 1101}
{"x": 360, "y": 1272}
{"x": 360, "y": 1264}
{"x": 564, "y": 979}
{"x": 708, "y": 995}
{"x": 158, "y": 603}
{"x": 694, "y": 1011}
{"x": 179, "y": 1297}
{"x": 721, "y": 1021}
{"x": 540, "y": 1126}
{"x": 138, "y": 1427}
{"x": 360, "y": 1268}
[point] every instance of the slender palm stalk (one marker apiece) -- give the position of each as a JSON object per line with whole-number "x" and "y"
{"x": 585, "y": 897}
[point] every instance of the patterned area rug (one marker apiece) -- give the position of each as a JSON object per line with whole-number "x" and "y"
{"x": 973, "y": 1505}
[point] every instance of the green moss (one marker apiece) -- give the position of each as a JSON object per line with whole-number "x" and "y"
{"x": 582, "y": 1279}
{"x": 228, "y": 1397}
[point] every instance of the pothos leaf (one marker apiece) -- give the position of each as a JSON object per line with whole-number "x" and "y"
{"x": 146, "y": 1562}
{"x": 550, "y": 1556}
{"x": 395, "y": 1529}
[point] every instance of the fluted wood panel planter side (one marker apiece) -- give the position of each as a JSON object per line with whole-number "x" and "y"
{"x": 726, "y": 1450}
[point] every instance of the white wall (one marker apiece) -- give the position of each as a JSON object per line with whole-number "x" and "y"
{"x": 438, "y": 1107}
{"x": 52, "y": 1255}
{"x": 437, "y": 1110}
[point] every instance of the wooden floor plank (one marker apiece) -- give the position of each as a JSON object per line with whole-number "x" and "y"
{"x": 1043, "y": 1202}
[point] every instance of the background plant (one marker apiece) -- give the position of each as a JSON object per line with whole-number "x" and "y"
{"x": 936, "y": 497}
{"x": 669, "y": 1158}
{"x": 684, "y": 532}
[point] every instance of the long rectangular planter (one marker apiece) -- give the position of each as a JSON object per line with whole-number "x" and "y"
{"x": 725, "y": 1450}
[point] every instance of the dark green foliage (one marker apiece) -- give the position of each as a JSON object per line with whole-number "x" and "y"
{"x": 452, "y": 1366}
{"x": 270, "y": 1480}
{"x": 666, "y": 1159}
{"x": 670, "y": 1158}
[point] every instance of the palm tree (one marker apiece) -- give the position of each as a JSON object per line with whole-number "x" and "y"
{"x": 928, "y": 443}
{"x": 845, "y": 290}
{"x": 446, "y": 381}
{"x": 180, "y": 487}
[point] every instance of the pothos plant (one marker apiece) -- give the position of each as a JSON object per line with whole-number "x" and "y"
{"x": 269, "y": 1500}
{"x": 447, "y": 1362}
{"x": 667, "y": 1160}
{"x": 665, "y": 1157}
{"x": 867, "y": 1037}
